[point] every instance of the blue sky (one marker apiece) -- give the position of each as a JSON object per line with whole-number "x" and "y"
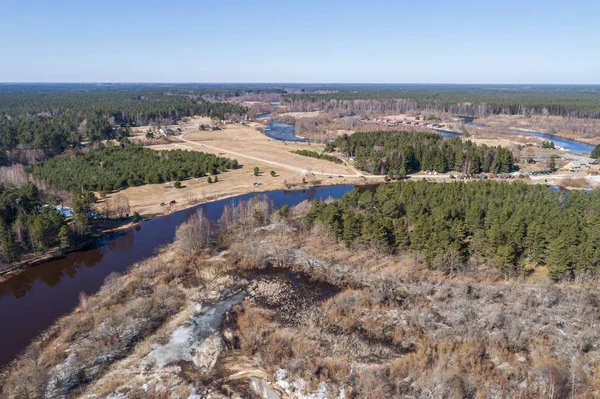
{"x": 379, "y": 41}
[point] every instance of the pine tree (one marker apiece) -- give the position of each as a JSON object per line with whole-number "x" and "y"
{"x": 589, "y": 256}
{"x": 536, "y": 243}
{"x": 65, "y": 236}
{"x": 352, "y": 228}
{"x": 401, "y": 235}
{"x": 596, "y": 152}
{"x": 551, "y": 164}
{"x": 11, "y": 250}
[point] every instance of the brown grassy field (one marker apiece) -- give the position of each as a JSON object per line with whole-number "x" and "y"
{"x": 587, "y": 130}
{"x": 245, "y": 143}
{"x": 252, "y": 149}
{"x": 299, "y": 115}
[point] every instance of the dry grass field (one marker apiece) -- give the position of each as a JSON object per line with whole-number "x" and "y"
{"x": 247, "y": 144}
{"x": 586, "y": 130}
{"x": 298, "y": 115}
{"x": 252, "y": 149}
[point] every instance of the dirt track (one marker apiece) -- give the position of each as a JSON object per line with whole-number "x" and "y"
{"x": 264, "y": 160}
{"x": 252, "y": 149}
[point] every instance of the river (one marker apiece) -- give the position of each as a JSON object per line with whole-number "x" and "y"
{"x": 573, "y": 146}
{"x": 285, "y": 132}
{"x": 33, "y": 299}
{"x": 282, "y": 131}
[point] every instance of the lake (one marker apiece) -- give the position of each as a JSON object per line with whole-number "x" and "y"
{"x": 33, "y": 299}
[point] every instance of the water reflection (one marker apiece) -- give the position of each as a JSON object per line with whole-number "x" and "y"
{"x": 123, "y": 243}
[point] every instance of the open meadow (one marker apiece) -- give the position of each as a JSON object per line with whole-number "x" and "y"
{"x": 253, "y": 150}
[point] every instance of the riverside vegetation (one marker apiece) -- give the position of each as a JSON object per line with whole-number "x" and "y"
{"x": 30, "y": 224}
{"x": 27, "y": 226}
{"x": 30, "y": 227}
{"x": 399, "y": 153}
{"x": 378, "y": 323}
{"x": 512, "y": 227}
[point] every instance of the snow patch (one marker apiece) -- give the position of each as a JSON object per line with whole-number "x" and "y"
{"x": 195, "y": 341}
{"x": 295, "y": 388}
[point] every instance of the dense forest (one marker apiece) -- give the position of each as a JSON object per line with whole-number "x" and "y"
{"x": 318, "y": 155}
{"x": 509, "y": 225}
{"x": 472, "y": 100}
{"x": 134, "y": 104}
{"x": 113, "y": 168}
{"x": 30, "y": 224}
{"x": 398, "y": 153}
{"x": 52, "y": 118}
{"x": 26, "y": 225}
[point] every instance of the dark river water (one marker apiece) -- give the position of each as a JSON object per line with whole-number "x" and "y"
{"x": 31, "y": 300}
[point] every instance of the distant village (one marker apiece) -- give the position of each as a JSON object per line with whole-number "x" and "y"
{"x": 395, "y": 122}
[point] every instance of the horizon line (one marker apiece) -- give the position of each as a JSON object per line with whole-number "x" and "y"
{"x": 295, "y": 83}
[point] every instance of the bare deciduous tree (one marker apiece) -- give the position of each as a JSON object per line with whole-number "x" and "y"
{"x": 121, "y": 205}
{"x": 14, "y": 175}
{"x": 194, "y": 235}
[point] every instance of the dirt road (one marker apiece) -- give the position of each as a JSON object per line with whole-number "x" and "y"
{"x": 263, "y": 160}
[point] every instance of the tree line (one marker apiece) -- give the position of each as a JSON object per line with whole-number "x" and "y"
{"x": 398, "y": 153}
{"x": 512, "y": 226}
{"x": 108, "y": 169}
{"x": 318, "y": 155}
{"x": 472, "y": 100}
